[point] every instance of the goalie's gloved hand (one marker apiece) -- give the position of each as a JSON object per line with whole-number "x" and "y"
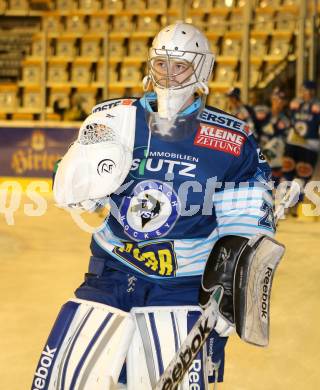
{"x": 98, "y": 162}
{"x": 219, "y": 270}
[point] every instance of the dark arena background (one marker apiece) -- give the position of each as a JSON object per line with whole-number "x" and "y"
{"x": 57, "y": 59}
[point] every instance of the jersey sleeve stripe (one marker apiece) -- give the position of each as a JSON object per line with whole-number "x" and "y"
{"x": 236, "y": 200}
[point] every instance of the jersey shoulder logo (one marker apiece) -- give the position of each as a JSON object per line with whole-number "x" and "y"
{"x": 221, "y": 118}
{"x": 218, "y": 138}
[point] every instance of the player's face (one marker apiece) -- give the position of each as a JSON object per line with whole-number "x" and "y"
{"x": 277, "y": 103}
{"x": 307, "y": 94}
{"x": 171, "y": 72}
{"x": 233, "y": 102}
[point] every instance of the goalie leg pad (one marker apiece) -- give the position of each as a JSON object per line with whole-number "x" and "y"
{"x": 252, "y": 288}
{"x": 159, "y": 333}
{"x": 85, "y": 349}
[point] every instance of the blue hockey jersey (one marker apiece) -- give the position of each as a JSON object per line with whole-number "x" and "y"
{"x": 270, "y": 126}
{"x": 181, "y": 197}
{"x": 305, "y": 118}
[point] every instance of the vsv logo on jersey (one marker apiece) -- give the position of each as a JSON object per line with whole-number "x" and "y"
{"x": 150, "y": 211}
{"x": 157, "y": 258}
{"x": 214, "y": 137}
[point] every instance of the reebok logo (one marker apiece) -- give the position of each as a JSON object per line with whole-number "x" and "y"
{"x": 224, "y": 256}
{"x": 194, "y": 375}
{"x": 265, "y": 294}
{"x": 186, "y": 357}
{"x": 42, "y": 372}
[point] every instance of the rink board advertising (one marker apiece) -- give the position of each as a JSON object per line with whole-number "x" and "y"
{"x": 33, "y": 151}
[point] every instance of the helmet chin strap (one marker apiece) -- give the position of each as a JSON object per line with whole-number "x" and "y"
{"x": 146, "y": 83}
{"x": 204, "y": 89}
{"x": 171, "y": 101}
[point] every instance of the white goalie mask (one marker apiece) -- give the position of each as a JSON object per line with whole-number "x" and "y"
{"x": 180, "y": 64}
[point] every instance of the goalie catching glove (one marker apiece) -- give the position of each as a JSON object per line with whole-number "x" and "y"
{"x": 245, "y": 269}
{"x": 98, "y": 162}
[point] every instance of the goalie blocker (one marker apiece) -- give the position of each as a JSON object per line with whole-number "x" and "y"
{"x": 245, "y": 269}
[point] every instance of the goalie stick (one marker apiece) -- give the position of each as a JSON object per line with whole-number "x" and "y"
{"x": 198, "y": 335}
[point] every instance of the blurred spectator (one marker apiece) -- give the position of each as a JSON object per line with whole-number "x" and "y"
{"x": 301, "y": 152}
{"x": 76, "y": 111}
{"x": 59, "y": 107}
{"x": 272, "y": 126}
{"x": 237, "y": 108}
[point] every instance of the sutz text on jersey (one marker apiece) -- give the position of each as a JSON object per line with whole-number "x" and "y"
{"x": 181, "y": 168}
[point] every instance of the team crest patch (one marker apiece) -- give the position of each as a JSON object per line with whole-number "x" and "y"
{"x": 214, "y": 137}
{"x": 150, "y": 211}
